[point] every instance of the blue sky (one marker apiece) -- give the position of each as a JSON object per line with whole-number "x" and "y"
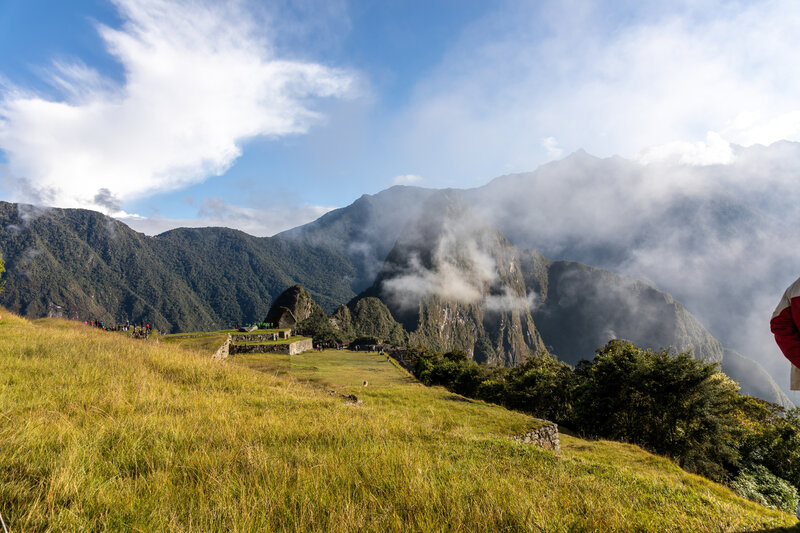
{"x": 263, "y": 115}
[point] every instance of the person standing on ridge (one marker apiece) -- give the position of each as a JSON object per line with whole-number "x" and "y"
{"x": 785, "y": 325}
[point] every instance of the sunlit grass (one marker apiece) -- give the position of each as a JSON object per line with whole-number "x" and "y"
{"x": 204, "y": 344}
{"x": 102, "y": 432}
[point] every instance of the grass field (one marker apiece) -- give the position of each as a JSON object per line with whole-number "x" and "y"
{"x": 99, "y": 432}
{"x": 201, "y": 343}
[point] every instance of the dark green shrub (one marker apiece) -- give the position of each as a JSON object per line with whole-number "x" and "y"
{"x": 541, "y": 386}
{"x": 492, "y": 390}
{"x": 671, "y": 404}
{"x": 757, "y": 483}
{"x": 458, "y": 356}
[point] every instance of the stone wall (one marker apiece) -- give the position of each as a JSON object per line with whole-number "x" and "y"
{"x": 301, "y": 346}
{"x": 546, "y": 437}
{"x": 261, "y": 337}
{"x": 223, "y": 350}
{"x": 290, "y": 348}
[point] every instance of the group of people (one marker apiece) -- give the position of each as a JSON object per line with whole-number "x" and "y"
{"x": 328, "y": 345}
{"x": 141, "y": 330}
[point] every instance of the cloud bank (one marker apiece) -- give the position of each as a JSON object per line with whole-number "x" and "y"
{"x": 539, "y": 78}
{"x": 200, "y": 78}
{"x": 449, "y": 253}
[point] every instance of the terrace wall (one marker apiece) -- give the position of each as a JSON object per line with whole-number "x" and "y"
{"x": 290, "y": 348}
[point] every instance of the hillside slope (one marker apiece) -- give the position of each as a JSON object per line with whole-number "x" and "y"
{"x": 103, "y": 432}
{"x": 365, "y": 231}
{"x": 84, "y": 265}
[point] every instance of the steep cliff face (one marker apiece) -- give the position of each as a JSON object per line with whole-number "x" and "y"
{"x": 581, "y": 307}
{"x": 454, "y": 282}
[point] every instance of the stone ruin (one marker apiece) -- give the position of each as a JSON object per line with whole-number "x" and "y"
{"x": 545, "y": 437}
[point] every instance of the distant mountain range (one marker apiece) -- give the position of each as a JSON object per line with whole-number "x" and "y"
{"x": 457, "y": 268}
{"x": 84, "y": 265}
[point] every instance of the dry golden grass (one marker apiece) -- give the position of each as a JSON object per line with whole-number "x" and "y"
{"x": 102, "y": 432}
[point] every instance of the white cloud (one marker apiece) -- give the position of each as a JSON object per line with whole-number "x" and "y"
{"x": 551, "y": 145}
{"x": 200, "y": 78}
{"x": 407, "y": 179}
{"x": 215, "y": 212}
{"x": 608, "y": 81}
{"x": 714, "y": 151}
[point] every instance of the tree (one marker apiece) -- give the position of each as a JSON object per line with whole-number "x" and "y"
{"x": 674, "y": 405}
{"x": 770, "y": 436}
{"x": 542, "y": 386}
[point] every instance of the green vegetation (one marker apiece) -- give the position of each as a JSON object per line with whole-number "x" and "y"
{"x": 318, "y": 327}
{"x": 102, "y": 432}
{"x": 202, "y": 343}
{"x": 360, "y": 319}
{"x": 673, "y": 405}
{"x": 182, "y": 280}
{"x": 760, "y": 485}
{"x": 241, "y": 334}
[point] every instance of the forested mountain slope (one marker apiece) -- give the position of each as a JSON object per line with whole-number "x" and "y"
{"x": 84, "y": 265}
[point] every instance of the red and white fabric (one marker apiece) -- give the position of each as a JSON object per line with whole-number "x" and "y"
{"x": 785, "y": 323}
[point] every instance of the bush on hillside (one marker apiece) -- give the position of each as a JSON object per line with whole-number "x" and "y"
{"x": 757, "y": 483}
{"x": 492, "y": 390}
{"x": 2, "y": 270}
{"x": 371, "y": 318}
{"x": 543, "y": 387}
{"x": 769, "y": 435}
{"x": 671, "y": 404}
{"x": 318, "y": 327}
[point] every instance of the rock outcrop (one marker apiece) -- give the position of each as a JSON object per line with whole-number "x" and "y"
{"x": 579, "y": 308}
{"x": 294, "y": 305}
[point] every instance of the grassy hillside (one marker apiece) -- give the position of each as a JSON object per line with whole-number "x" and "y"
{"x": 103, "y": 432}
